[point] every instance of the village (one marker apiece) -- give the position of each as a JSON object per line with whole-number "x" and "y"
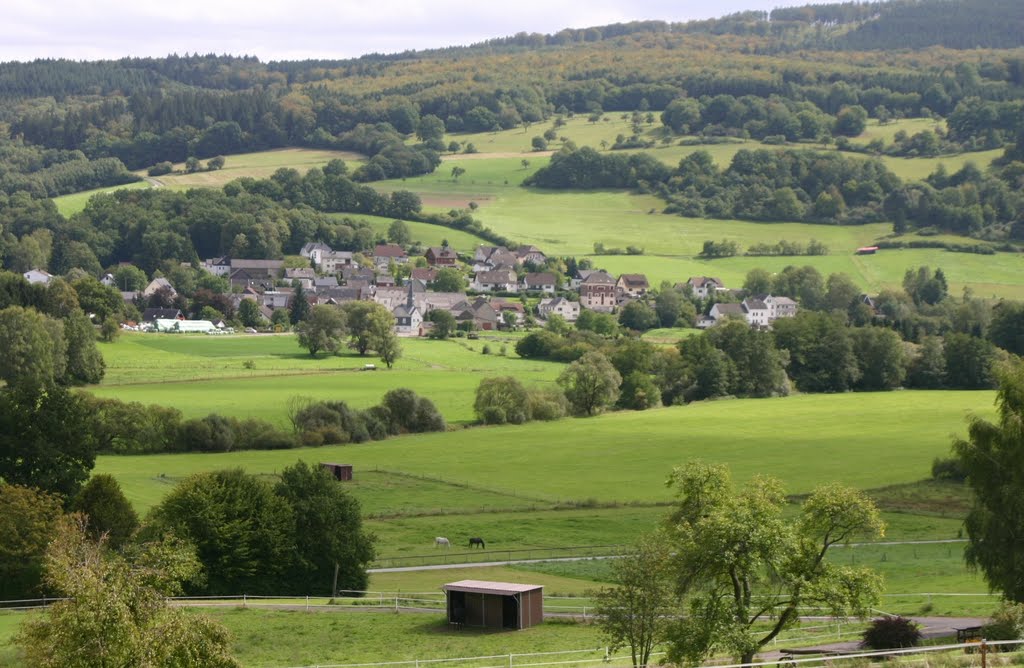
{"x": 495, "y": 288}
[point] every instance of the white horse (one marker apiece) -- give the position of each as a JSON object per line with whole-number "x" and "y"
{"x": 441, "y": 541}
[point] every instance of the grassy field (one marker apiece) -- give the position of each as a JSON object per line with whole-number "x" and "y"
{"x": 621, "y": 457}
{"x": 428, "y": 235}
{"x": 258, "y": 165}
{"x": 69, "y": 204}
{"x": 201, "y": 374}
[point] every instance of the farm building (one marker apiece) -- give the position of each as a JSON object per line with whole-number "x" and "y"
{"x": 183, "y": 326}
{"x": 496, "y": 605}
{"x": 339, "y": 471}
{"x": 867, "y": 250}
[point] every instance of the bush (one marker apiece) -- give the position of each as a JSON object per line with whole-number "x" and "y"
{"x": 1007, "y": 624}
{"x": 948, "y": 468}
{"x": 549, "y": 404}
{"x": 160, "y": 168}
{"x": 891, "y": 633}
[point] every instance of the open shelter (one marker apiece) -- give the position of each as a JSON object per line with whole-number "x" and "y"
{"x": 496, "y": 605}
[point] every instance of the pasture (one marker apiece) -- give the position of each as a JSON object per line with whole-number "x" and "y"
{"x": 259, "y": 165}
{"x": 424, "y": 233}
{"x": 202, "y": 374}
{"x": 869, "y": 440}
{"x": 71, "y": 204}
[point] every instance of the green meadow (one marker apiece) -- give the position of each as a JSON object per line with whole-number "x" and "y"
{"x": 70, "y": 204}
{"x": 202, "y": 374}
{"x": 258, "y": 165}
{"x": 424, "y": 233}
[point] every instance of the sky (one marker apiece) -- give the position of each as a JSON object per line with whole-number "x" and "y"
{"x": 297, "y": 29}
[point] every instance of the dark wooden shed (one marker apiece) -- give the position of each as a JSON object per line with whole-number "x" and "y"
{"x": 339, "y": 471}
{"x": 496, "y": 605}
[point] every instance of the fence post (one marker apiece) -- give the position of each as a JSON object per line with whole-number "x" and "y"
{"x": 510, "y": 660}
{"x": 984, "y": 653}
{"x": 307, "y": 603}
{"x": 243, "y": 600}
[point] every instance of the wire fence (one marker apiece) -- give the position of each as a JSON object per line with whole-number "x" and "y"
{"x": 976, "y": 653}
{"x": 443, "y": 557}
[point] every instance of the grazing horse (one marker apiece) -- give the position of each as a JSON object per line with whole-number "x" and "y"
{"x": 477, "y": 541}
{"x": 441, "y": 541}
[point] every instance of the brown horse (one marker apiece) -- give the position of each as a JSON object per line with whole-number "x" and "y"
{"x": 473, "y": 542}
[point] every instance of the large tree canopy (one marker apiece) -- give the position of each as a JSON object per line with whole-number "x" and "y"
{"x": 745, "y": 572}
{"x": 992, "y": 456}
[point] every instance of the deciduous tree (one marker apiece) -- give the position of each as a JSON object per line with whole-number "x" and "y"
{"x": 324, "y": 329}
{"x": 745, "y": 572}
{"x": 638, "y": 610}
{"x": 109, "y": 513}
{"x": 115, "y": 612}
{"x": 992, "y": 456}
{"x": 28, "y": 519}
{"x": 333, "y": 548}
{"x": 590, "y": 384}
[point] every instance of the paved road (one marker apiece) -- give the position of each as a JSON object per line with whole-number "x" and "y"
{"x": 931, "y": 627}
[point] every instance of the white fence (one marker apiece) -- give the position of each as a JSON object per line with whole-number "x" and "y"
{"x": 602, "y": 657}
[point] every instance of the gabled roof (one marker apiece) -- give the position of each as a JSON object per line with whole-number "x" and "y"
{"x": 314, "y": 246}
{"x": 540, "y": 278}
{"x": 701, "y": 281}
{"x": 496, "y": 276}
{"x": 598, "y": 278}
{"x": 152, "y": 314}
{"x": 729, "y": 309}
{"x": 388, "y": 250}
{"x": 442, "y": 251}
{"x": 265, "y": 265}
{"x": 634, "y": 280}
{"x": 425, "y": 275}
{"x": 752, "y": 304}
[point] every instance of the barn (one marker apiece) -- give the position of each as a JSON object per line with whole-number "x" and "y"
{"x": 496, "y": 605}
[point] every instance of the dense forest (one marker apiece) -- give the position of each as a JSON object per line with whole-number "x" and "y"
{"x": 811, "y": 75}
{"x": 146, "y": 110}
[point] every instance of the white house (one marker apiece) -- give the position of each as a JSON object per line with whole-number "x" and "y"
{"x": 498, "y": 280}
{"x": 314, "y": 251}
{"x": 705, "y": 286}
{"x": 408, "y": 317}
{"x": 218, "y": 266}
{"x": 541, "y": 282}
{"x": 332, "y": 261}
{"x": 38, "y": 276}
{"x": 780, "y": 307}
{"x": 559, "y": 306}
{"x": 758, "y": 311}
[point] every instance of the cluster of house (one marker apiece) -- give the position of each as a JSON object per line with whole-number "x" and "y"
{"x": 757, "y": 310}
{"x": 335, "y": 277}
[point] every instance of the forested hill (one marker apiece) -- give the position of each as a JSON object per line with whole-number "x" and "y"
{"x": 740, "y": 70}
{"x": 957, "y": 24}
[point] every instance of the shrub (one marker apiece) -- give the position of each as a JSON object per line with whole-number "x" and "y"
{"x": 948, "y": 468}
{"x": 547, "y": 404}
{"x": 1007, "y": 624}
{"x": 891, "y": 633}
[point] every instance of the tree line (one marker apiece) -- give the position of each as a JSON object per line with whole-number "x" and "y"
{"x": 801, "y": 185}
{"x": 148, "y": 110}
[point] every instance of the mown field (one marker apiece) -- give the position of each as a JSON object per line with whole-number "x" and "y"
{"x": 619, "y": 457}
{"x": 202, "y": 374}
{"x": 256, "y": 165}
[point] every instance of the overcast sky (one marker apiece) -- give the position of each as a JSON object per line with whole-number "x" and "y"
{"x": 295, "y": 29}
